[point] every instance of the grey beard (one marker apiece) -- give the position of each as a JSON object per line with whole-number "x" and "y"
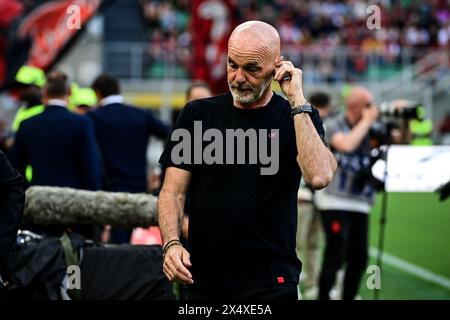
{"x": 252, "y": 97}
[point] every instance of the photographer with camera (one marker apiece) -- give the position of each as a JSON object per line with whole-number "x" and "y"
{"x": 346, "y": 202}
{"x": 404, "y": 122}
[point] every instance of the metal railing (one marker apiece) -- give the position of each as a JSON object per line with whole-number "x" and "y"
{"x": 320, "y": 63}
{"x": 411, "y": 74}
{"x": 135, "y": 60}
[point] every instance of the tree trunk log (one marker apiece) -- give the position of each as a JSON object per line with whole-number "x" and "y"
{"x": 54, "y": 205}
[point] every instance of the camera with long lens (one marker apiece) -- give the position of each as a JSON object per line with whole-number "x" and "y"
{"x": 394, "y": 117}
{"x": 401, "y": 109}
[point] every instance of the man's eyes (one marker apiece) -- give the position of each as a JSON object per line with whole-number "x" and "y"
{"x": 249, "y": 69}
{"x": 253, "y": 69}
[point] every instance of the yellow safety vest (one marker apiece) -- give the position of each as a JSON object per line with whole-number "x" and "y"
{"x": 421, "y": 131}
{"x": 22, "y": 114}
{"x": 25, "y": 113}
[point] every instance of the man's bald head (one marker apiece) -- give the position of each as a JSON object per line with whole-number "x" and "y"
{"x": 358, "y": 94}
{"x": 357, "y": 99}
{"x": 257, "y": 36}
{"x": 253, "y": 50}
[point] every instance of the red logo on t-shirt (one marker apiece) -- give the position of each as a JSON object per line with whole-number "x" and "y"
{"x": 280, "y": 279}
{"x": 336, "y": 227}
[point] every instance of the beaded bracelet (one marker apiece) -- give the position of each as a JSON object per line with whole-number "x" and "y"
{"x": 174, "y": 242}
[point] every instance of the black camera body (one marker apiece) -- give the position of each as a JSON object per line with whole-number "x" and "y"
{"x": 401, "y": 109}
{"x": 395, "y": 115}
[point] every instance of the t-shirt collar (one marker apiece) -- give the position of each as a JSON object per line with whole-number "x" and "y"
{"x": 230, "y": 104}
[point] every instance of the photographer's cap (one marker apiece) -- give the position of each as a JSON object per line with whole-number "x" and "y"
{"x": 30, "y": 75}
{"x": 84, "y": 96}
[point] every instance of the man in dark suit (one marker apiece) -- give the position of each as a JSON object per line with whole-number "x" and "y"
{"x": 123, "y": 133}
{"x": 59, "y": 145}
{"x": 12, "y": 199}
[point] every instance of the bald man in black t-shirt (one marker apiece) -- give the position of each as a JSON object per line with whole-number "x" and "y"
{"x": 240, "y": 156}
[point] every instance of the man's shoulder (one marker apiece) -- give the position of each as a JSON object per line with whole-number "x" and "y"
{"x": 282, "y": 104}
{"x": 73, "y": 116}
{"x": 207, "y": 102}
{"x": 46, "y": 122}
{"x": 127, "y": 109}
{"x": 133, "y": 108}
{"x": 114, "y": 108}
{"x": 111, "y": 107}
{"x": 68, "y": 118}
{"x": 198, "y": 107}
{"x": 34, "y": 121}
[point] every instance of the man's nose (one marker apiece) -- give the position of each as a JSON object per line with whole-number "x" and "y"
{"x": 240, "y": 77}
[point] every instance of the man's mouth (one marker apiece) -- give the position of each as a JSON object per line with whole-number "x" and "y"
{"x": 243, "y": 89}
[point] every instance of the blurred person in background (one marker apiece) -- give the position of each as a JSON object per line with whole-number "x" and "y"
{"x": 123, "y": 133}
{"x": 309, "y": 226}
{"x": 82, "y": 100}
{"x": 58, "y": 144}
{"x": 29, "y": 80}
{"x": 12, "y": 200}
{"x": 345, "y": 203}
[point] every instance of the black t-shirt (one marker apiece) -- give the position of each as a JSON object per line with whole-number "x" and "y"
{"x": 242, "y": 227}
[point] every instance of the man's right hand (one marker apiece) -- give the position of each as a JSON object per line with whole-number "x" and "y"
{"x": 176, "y": 262}
{"x": 370, "y": 114}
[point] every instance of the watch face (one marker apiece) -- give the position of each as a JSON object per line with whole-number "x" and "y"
{"x": 307, "y": 107}
{"x": 301, "y": 109}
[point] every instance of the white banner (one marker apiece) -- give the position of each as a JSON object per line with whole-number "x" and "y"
{"x": 416, "y": 168}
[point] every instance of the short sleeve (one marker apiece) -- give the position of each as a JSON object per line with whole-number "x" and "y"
{"x": 178, "y": 150}
{"x": 318, "y": 124}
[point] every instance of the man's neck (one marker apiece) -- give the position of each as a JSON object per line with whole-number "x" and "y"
{"x": 57, "y": 102}
{"x": 115, "y": 98}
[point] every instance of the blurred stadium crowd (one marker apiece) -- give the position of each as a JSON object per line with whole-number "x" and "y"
{"x": 405, "y": 23}
{"x": 320, "y": 27}
{"x": 323, "y": 29}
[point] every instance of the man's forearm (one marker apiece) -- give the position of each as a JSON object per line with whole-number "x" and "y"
{"x": 357, "y": 134}
{"x": 315, "y": 159}
{"x": 170, "y": 214}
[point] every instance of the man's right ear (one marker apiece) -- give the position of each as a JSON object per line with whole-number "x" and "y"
{"x": 44, "y": 92}
{"x": 99, "y": 96}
